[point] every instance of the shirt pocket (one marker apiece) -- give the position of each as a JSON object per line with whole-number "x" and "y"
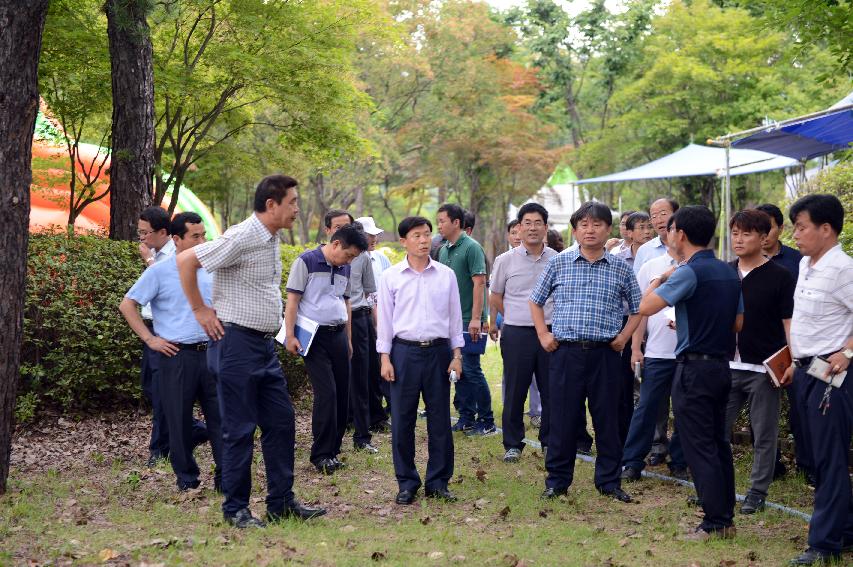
{"x": 339, "y": 287}
{"x": 811, "y": 302}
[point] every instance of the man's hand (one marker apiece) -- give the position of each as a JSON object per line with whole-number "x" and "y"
{"x": 548, "y": 342}
{"x": 455, "y": 364}
{"x": 293, "y": 345}
{"x": 787, "y": 377}
{"x": 636, "y": 356}
{"x": 206, "y": 317}
{"x": 611, "y": 243}
{"x": 162, "y": 346}
{"x": 387, "y": 369}
{"x": 349, "y": 348}
{"x": 838, "y": 363}
{"x": 618, "y": 344}
{"x": 474, "y": 329}
{"x": 494, "y": 333}
{"x": 145, "y": 253}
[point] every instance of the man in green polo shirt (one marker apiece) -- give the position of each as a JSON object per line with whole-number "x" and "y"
{"x": 466, "y": 258}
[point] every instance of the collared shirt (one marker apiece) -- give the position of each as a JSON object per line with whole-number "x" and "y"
{"x": 823, "y": 305}
{"x": 361, "y": 281}
{"x": 173, "y": 317}
{"x": 418, "y": 306}
{"x": 706, "y": 295}
{"x": 789, "y": 258}
{"x": 587, "y": 295}
{"x": 651, "y": 249}
{"x": 324, "y": 287}
{"x": 514, "y": 274}
{"x": 660, "y": 338}
{"x": 379, "y": 262}
{"x": 246, "y": 266}
{"x": 467, "y": 259}
{"x": 627, "y": 254}
{"x": 165, "y": 251}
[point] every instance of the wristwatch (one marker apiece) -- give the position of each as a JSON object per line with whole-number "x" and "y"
{"x": 848, "y": 353}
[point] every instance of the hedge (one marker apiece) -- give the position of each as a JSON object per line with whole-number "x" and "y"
{"x": 78, "y": 353}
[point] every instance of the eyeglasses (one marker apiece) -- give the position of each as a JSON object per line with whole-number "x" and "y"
{"x": 143, "y": 233}
{"x": 528, "y": 224}
{"x": 660, "y": 215}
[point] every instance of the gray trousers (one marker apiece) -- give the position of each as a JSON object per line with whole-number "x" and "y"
{"x": 764, "y": 401}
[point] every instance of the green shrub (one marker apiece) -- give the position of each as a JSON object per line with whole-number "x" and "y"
{"x": 838, "y": 181}
{"x": 78, "y": 353}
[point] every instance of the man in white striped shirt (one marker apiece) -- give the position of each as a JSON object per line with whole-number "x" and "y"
{"x": 822, "y": 327}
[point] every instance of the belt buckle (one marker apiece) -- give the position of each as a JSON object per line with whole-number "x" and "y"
{"x": 424, "y": 344}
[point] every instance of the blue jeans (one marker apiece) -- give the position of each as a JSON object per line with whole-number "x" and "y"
{"x": 654, "y": 390}
{"x": 473, "y": 399}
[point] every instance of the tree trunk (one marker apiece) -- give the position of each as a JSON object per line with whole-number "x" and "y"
{"x": 132, "y": 168}
{"x": 20, "y": 42}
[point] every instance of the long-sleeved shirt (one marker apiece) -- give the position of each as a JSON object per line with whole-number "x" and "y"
{"x": 418, "y": 306}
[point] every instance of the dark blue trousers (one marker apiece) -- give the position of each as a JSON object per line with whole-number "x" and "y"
{"x": 576, "y": 374}
{"x": 159, "y": 442}
{"x": 184, "y": 378}
{"x": 474, "y": 397}
{"x": 828, "y": 434}
{"x": 523, "y": 357}
{"x": 700, "y": 394}
{"x": 802, "y": 443}
{"x": 253, "y": 393}
{"x": 421, "y": 371}
{"x": 654, "y": 393}
{"x": 359, "y": 382}
{"x": 328, "y": 367}
{"x": 379, "y": 388}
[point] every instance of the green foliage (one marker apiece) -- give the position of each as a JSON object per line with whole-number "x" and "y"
{"x": 838, "y": 181}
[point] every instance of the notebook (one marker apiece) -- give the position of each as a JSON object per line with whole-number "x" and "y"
{"x": 305, "y": 330}
{"x": 777, "y": 364}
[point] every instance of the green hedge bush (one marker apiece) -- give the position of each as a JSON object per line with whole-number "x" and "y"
{"x": 78, "y": 353}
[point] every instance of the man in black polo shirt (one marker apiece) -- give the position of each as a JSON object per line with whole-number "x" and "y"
{"x": 708, "y": 308}
{"x": 768, "y": 298}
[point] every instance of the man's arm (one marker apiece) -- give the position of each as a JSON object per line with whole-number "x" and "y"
{"x": 130, "y": 310}
{"x": 291, "y": 310}
{"x": 546, "y": 337}
{"x": 637, "y": 341}
{"x": 618, "y": 344}
{"x": 496, "y": 305}
{"x": 476, "y": 323}
{"x": 188, "y": 266}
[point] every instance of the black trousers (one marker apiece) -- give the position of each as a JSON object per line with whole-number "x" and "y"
{"x": 700, "y": 393}
{"x": 523, "y": 357}
{"x": 359, "y": 386}
{"x": 158, "y": 444}
{"x": 253, "y": 393}
{"x": 185, "y": 379}
{"x": 421, "y": 371}
{"x": 626, "y": 393}
{"x": 576, "y": 374}
{"x": 328, "y": 366}
{"x": 802, "y": 444}
{"x": 379, "y": 388}
{"x": 828, "y": 434}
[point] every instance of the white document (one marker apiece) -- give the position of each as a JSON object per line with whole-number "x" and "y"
{"x": 305, "y": 330}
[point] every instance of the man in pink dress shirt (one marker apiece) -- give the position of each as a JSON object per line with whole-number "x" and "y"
{"x": 419, "y": 339}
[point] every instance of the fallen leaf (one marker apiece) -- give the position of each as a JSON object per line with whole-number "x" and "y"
{"x": 543, "y": 514}
{"x": 481, "y": 475}
{"x": 435, "y": 555}
{"x": 107, "y": 554}
{"x": 425, "y": 520}
{"x": 377, "y": 556}
{"x": 504, "y": 512}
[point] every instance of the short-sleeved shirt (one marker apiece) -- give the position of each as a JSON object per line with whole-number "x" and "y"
{"x": 160, "y": 286}
{"x": 651, "y": 249}
{"x": 660, "y": 337}
{"x": 514, "y": 274}
{"x": 323, "y": 287}
{"x": 246, "y": 266}
{"x": 165, "y": 251}
{"x": 588, "y": 296}
{"x": 789, "y": 258}
{"x": 467, "y": 259}
{"x": 768, "y": 299}
{"x": 361, "y": 281}
{"x": 823, "y": 305}
{"x": 707, "y": 299}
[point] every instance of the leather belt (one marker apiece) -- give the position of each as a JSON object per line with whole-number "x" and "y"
{"x": 422, "y": 344}
{"x": 200, "y": 347}
{"x": 333, "y": 328}
{"x": 806, "y": 360}
{"x": 262, "y": 334}
{"x": 587, "y": 345}
{"x": 361, "y": 311}
{"x": 699, "y": 356}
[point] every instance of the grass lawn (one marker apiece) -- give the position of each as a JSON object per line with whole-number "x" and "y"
{"x": 102, "y": 508}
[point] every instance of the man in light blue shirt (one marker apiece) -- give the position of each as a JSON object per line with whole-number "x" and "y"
{"x": 180, "y": 344}
{"x": 659, "y": 213}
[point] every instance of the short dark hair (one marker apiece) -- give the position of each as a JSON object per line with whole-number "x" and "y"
{"x": 157, "y": 217}
{"x": 350, "y": 235}
{"x": 335, "y": 213}
{"x": 593, "y": 210}
{"x": 553, "y": 236}
{"x": 409, "y": 223}
{"x": 821, "y": 209}
{"x": 273, "y": 187}
{"x": 453, "y": 212}
{"x": 469, "y": 220}
{"x": 751, "y": 220}
{"x": 634, "y": 218}
{"x": 530, "y": 208}
{"x": 179, "y": 223}
{"x": 774, "y": 212}
{"x": 697, "y": 222}
{"x": 626, "y": 214}
{"x": 511, "y": 225}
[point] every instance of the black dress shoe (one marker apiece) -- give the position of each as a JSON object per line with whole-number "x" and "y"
{"x": 405, "y": 497}
{"x": 339, "y": 464}
{"x": 616, "y": 494}
{"x": 630, "y": 474}
{"x": 381, "y": 427}
{"x": 679, "y": 472}
{"x": 326, "y": 466}
{"x": 656, "y": 459}
{"x": 244, "y": 519}
{"x": 366, "y": 448}
{"x": 812, "y": 556}
{"x": 153, "y": 457}
{"x": 296, "y": 510}
{"x": 184, "y": 486}
{"x": 441, "y": 494}
{"x": 551, "y": 493}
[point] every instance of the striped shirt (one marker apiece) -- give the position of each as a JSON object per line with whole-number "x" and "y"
{"x": 246, "y": 266}
{"x": 587, "y": 295}
{"x": 823, "y": 305}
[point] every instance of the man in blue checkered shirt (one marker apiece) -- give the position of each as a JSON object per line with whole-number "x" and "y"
{"x": 589, "y": 286}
